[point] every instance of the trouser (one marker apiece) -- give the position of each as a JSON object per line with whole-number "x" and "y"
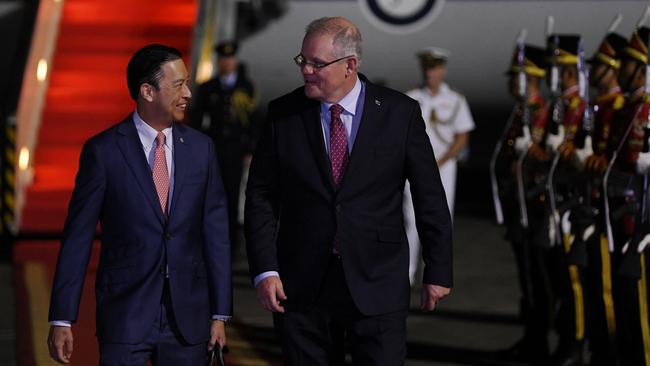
{"x": 568, "y": 287}
{"x": 231, "y": 165}
{"x": 317, "y": 335}
{"x": 448, "y": 179}
{"x": 631, "y": 305}
{"x": 537, "y": 298}
{"x": 601, "y": 320}
{"x": 568, "y": 277}
{"x": 163, "y": 346}
{"x": 631, "y": 300}
{"x": 630, "y": 287}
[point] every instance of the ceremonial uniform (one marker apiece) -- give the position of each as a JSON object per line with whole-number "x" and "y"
{"x": 626, "y": 195}
{"x": 569, "y": 189}
{"x": 446, "y": 114}
{"x": 525, "y": 131}
{"x": 601, "y": 322}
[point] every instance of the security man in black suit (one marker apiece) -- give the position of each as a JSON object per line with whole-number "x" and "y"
{"x": 224, "y": 109}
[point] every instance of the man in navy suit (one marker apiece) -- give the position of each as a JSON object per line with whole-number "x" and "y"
{"x": 163, "y": 287}
{"x": 324, "y": 228}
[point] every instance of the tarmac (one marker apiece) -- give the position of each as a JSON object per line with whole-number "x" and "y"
{"x": 470, "y": 327}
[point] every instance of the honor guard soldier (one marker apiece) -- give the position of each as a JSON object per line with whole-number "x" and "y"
{"x": 566, "y": 190}
{"x": 224, "y": 109}
{"x": 448, "y": 123}
{"x": 601, "y": 324}
{"x": 524, "y": 135}
{"x": 627, "y": 195}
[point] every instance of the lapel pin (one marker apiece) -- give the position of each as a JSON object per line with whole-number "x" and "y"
{"x": 377, "y": 102}
{"x": 182, "y": 140}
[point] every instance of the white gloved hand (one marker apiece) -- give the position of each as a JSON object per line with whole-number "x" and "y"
{"x": 643, "y": 243}
{"x": 589, "y": 231}
{"x": 584, "y": 153}
{"x": 643, "y": 163}
{"x": 554, "y": 141}
{"x": 554, "y": 222}
{"x": 566, "y": 224}
{"x": 522, "y": 144}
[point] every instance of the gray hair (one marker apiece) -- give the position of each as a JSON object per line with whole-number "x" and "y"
{"x": 347, "y": 37}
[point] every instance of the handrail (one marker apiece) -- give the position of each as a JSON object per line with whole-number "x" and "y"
{"x": 33, "y": 93}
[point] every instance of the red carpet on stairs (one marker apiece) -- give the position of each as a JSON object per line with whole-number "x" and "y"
{"x": 87, "y": 89}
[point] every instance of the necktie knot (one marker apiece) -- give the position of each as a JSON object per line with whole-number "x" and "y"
{"x": 160, "y": 139}
{"x": 336, "y": 110}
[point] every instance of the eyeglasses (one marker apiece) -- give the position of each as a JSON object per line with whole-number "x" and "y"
{"x": 301, "y": 62}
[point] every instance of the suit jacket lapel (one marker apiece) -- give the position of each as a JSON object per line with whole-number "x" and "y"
{"x": 181, "y": 157}
{"x": 312, "y": 123}
{"x": 131, "y": 147}
{"x": 367, "y": 131}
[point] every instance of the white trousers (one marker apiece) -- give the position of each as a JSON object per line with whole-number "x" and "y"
{"x": 448, "y": 177}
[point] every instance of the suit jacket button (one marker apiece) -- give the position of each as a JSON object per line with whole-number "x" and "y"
{"x": 168, "y": 236}
{"x": 338, "y": 207}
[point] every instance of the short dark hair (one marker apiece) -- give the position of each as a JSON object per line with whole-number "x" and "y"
{"x": 144, "y": 66}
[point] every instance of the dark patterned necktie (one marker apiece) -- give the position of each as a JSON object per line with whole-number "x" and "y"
{"x": 338, "y": 144}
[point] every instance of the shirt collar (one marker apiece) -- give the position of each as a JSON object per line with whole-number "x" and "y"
{"x": 349, "y": 101}
{"x": 148, "y": 134}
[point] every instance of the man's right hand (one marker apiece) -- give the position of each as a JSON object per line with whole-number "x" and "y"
{"x": 270, "y": 293}
{"x": 59, "y": 342}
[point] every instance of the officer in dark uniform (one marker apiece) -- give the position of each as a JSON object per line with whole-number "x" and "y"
{"x": 626, "y": 196}
{"x": 564, "y": 140}
{"x": 601, "y": 323}
{"x": 531, "y": 254}
{"x": 224, "y": 108}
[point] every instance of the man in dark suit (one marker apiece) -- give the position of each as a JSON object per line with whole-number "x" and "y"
{"x": 223, "y": 108}
{"x": 324, "y": 229}
{"x": 163, "y": 285}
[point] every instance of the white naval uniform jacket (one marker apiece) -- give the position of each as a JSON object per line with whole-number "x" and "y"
{"x": 445, "y": 115}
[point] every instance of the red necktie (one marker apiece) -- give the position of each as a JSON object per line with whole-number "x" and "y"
{"x": 338, "y": 144}
{"x": 160, "y": 173}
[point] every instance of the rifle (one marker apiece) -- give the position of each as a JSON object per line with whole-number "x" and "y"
{"x": 522, "y": 92}
{"x": 554, "y": 128}
{"x": 521, "y": 189}
{"x": 496, "y": 200}
{"x": 583, "y": 216}
{"x": 525, "y": 125}
{"x": 610, "y": 165}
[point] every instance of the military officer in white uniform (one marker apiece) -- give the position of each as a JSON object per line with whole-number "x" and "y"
{"x": 448, "y": 122}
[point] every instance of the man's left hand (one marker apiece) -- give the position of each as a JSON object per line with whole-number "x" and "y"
{"x": 431, "y": 294}
{"x": 217, "y": 334}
